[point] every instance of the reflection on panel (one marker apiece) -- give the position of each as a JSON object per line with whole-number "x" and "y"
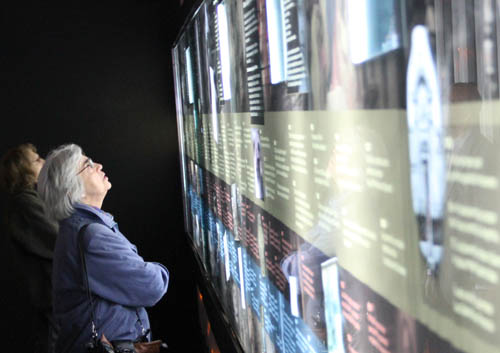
{"x": 205, "y": 325}
{"x": 340, "y": 171}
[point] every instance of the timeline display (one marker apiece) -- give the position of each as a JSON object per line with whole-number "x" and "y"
{"x": 340, "y": 179}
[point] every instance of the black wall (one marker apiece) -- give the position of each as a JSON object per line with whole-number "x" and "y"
{"x": 99, "y": 74}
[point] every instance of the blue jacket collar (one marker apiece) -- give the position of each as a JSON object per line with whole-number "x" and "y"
{"x": 106, "y": 218}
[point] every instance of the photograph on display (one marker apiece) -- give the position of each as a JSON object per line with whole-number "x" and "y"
{"x": 372, "y": 36}
{"x": 368, "y": 74}
{"x": 253, "y": 52}
{"x": 190, "y": 78}
{"x": 215, "y": 230}
{"x": 213, "y": 103}
{"x": 255, "y": 333}
{"x": 320, "y": 52}
{"x": 282, "y": 44}
{"x": 222, "y": 282}
{"x": 426, "y": 145}
{"x": 197, "y": 230}
{"x": 261, "y": 244}
{"x": 310, "y": 285}
{"x": 236, "y": 55}
{"x": 287, "y": 80}
{"x": 202, "y": 81}
{"x": 223, "y": 59}
{"x": 217, "y": 262}
{"x": 333, "y": 311}
{"x": 237, "y": 214}
{"x": 258, "y": 165}
{"x": 343, "y": 89}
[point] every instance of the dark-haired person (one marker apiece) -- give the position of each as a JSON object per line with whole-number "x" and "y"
{"x": 32, "y": 235}
{"x": 121, "y": 282}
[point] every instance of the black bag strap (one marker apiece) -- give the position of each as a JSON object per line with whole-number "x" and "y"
{"x": 95, "y": 335}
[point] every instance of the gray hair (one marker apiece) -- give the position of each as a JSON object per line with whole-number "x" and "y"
{"x": 58, "y": 183}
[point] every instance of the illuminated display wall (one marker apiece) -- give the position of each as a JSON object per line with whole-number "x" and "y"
{"x": 340, "y": 171}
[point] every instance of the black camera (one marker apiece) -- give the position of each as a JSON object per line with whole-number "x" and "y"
{"x": 99, "y": 346}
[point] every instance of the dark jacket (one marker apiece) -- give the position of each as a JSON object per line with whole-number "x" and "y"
{"x": 31, "y": 240}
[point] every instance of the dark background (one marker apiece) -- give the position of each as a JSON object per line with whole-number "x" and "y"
{"x": 99, "y": 74}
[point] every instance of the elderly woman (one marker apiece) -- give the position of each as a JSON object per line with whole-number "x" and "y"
{"x": 32, "y": 236}
{"x": 121, "y": 282}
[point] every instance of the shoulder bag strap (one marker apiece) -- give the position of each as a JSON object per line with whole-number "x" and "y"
{"x": 86, "y": 280}
{"x": 95, "y": 335}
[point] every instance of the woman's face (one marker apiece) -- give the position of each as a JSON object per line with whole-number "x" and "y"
{"x": 95, "y": 181}
{"x": 36, "y": 161}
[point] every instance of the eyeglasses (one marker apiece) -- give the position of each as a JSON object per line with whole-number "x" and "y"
{"x": 88, "y": 164}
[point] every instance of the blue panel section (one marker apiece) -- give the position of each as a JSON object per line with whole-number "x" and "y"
{"x": 288, "y": 333}
{"x": 253, "y": 280}
{"x": 233, "y": 258}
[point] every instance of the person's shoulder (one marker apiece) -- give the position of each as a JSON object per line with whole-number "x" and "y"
{"x": 94, "y": 230}
{"x": 96, "y": 214}
{"x": 26, "y": 201}
{"x": 96, "y": 227}
{"x": 99, "y": 236}
{"x": 76, "y": 221}
{"x": 70, "y": 224}
{"x": 82, "y": 216}
{"x": 26, "y": 196}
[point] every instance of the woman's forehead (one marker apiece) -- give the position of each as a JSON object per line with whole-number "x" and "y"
{"x": 32, "y": 154}
{"x": 83, "y": 159}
